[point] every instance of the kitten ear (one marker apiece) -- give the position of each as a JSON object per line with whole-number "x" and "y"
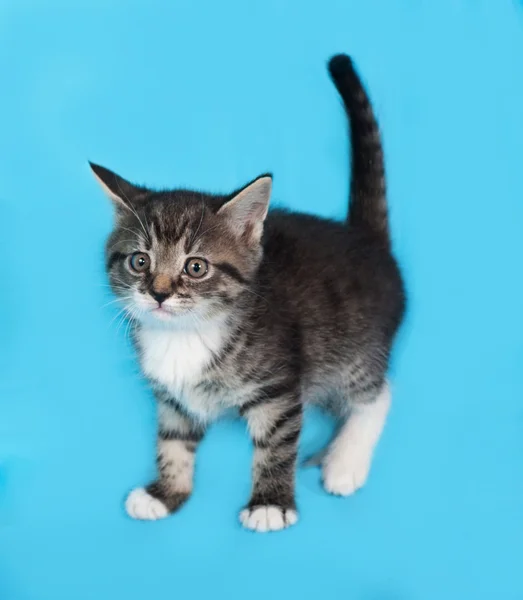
{"x": 246, "y": 211}
{"x": 120, "y": 191}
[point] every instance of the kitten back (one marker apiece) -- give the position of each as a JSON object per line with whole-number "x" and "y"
{"x": 368, "y": 203}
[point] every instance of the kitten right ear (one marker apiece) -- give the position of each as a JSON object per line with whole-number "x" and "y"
{"x": 247, "y": 209}
{"x": 123, "y": 193}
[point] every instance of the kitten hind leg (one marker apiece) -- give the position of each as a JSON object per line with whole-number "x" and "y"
{"x": 347, "y": 463}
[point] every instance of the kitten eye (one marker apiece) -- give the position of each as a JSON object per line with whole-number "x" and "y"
{"x": 196, "y": 267}
{"x": 140, "y": 262}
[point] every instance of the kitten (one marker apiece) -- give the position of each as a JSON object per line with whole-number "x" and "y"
{"x": 235, "y": 307}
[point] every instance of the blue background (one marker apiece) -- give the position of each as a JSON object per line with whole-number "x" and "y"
{"x": 209, "y": 95}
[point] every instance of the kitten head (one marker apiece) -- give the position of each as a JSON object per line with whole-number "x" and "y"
{"x": 182, "y": 256}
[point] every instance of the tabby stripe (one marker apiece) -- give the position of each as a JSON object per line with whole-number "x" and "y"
{"x": 191, "y": 446}
{"x": 267, "y": 393}
{"x": 114, "y": 258}
{"x": 174, "y": 404}
{"x": 277, "y": 468}
{"x": 362, "y": 387}
{"x": 232, "y": 272}
{"x": 290, "y": 437}
{"x": 189, "y": 436}
{"x": 171, "y": 501}
{"x": 231, "y": 345}
{"x": 287, "y": 416}
{"x": 284, "y": 499}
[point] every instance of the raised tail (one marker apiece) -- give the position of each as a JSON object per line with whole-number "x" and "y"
{"x": 368, "y": 201}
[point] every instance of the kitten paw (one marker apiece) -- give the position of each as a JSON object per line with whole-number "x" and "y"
{"x": 141, "y": 505}
{"x": 268, "y": 518}
{"x": 344, "y": 475}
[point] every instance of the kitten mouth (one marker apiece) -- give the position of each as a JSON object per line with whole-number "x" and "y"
{"x": 162, "y": 313}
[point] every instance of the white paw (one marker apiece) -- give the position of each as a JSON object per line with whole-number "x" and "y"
{"x": 343, "y": 475}
{"x": 141, "y": 505}
{"x": 268, "y": 518}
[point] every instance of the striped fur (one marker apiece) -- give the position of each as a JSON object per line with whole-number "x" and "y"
{"x": 368, "y": 192}
{"x": 289, "y": 309}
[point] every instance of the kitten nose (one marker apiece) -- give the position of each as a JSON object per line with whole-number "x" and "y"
{"x": 161, "y": 287}
{"x": 159, "y": 296}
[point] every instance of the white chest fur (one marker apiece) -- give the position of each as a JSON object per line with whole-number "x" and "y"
{"x": 176, "y": 358}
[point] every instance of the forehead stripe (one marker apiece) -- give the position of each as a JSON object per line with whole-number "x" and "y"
{"x": 167, "y": 230}
{"x": 232, "y": 272}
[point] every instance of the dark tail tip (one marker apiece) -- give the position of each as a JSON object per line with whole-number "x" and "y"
{"x": 345, "y": 77}
{"x": 340, "y": 65}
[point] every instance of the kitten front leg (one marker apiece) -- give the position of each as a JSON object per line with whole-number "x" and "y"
{"x": 178, "y": 437}
{"x": 274, "y": 419}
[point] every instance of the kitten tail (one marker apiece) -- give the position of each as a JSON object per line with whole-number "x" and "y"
{"x": 368, "y": 204}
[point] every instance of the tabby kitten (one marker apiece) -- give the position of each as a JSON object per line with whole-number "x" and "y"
{"x": 235, "y": 307}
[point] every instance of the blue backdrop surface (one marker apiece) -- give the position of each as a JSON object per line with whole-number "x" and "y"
{"x": 209, "y": 95}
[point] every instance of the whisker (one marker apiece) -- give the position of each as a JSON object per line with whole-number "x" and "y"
{"x": 118, "y": 314}
{"x": 123, "y": 319}
{"x": 206, "y": 231}
{"x": 121, "y": 282}
{"x": 132, "y": 321}
{"x": 129, "y": 324}
{"x": 120, "y": 242}
{"x": 123, "y": 298}
{"x": 113, "y": 287}
{"x": 138, "y": 234}
{"x": 247, "y": 289}
{"x": 199, "y": 225}
{"x": 129, "y": 205}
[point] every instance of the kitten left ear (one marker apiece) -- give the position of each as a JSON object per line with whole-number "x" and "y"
{"x": 119, "y": 190}
{"x": 246, "y": 211}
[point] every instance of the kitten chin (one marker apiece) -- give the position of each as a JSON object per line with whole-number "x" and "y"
{"x": 237, "y": 307}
